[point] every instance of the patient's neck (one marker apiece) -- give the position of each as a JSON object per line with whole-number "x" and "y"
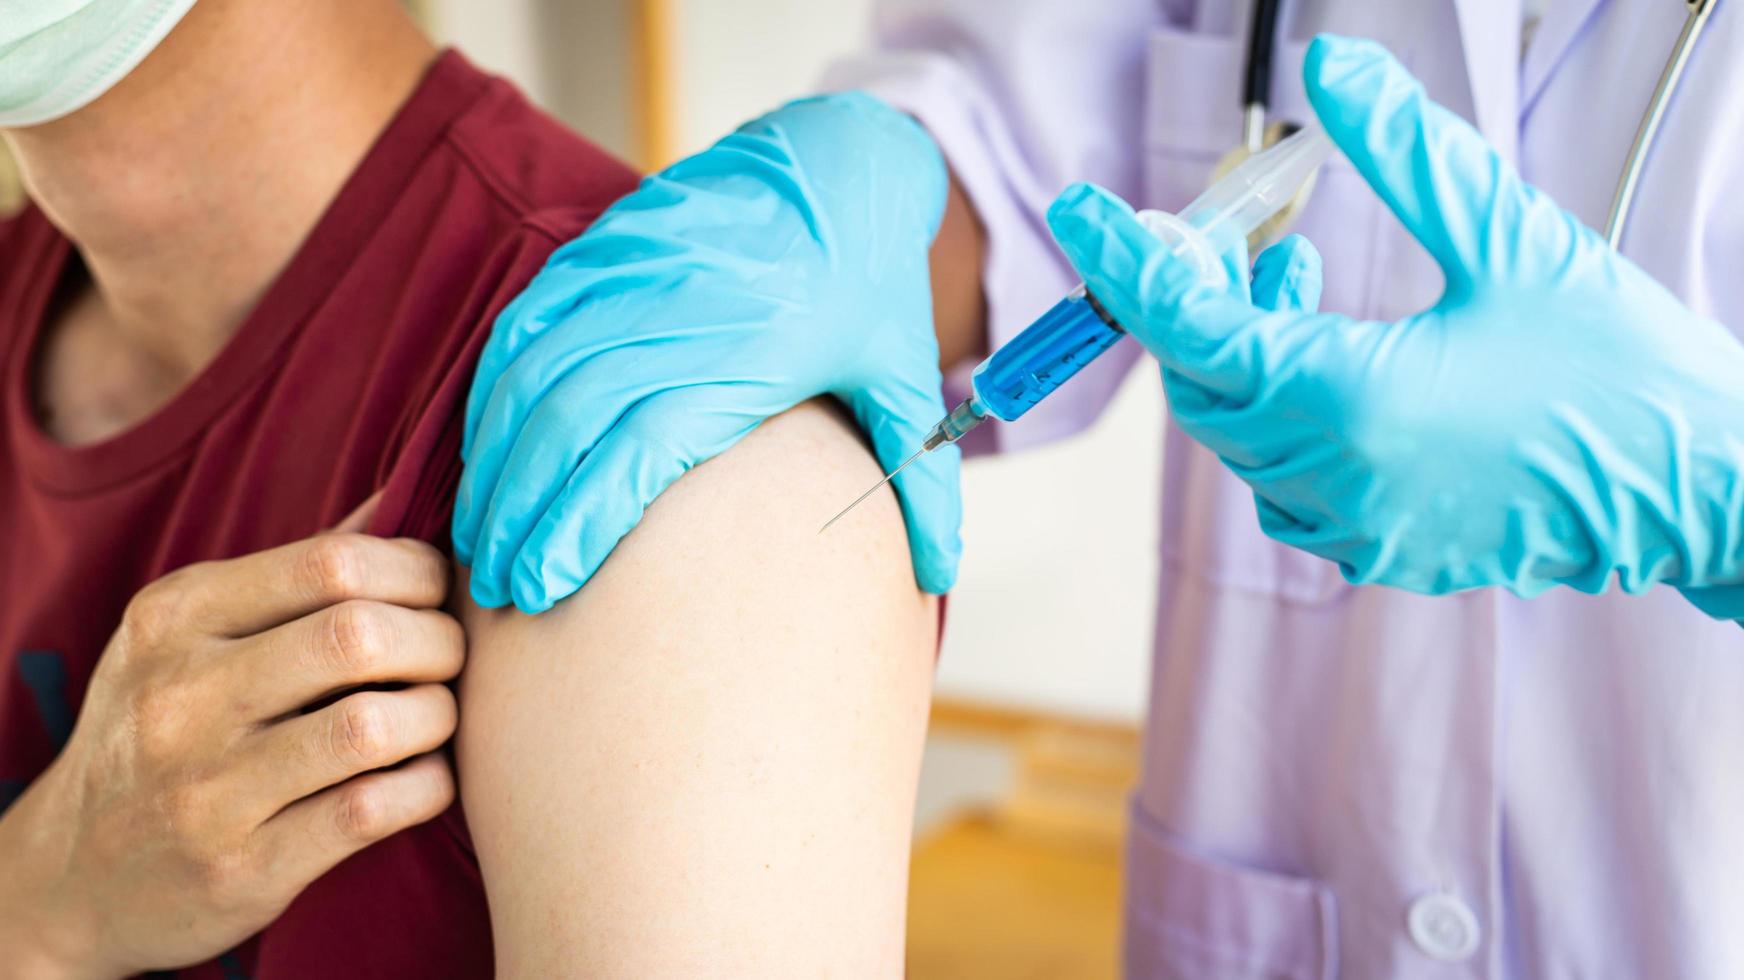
{"x": 188, "y": 187}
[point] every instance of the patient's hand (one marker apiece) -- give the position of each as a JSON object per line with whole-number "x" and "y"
{"x": 704, "y": 763}
{"x": 196, "y": 798}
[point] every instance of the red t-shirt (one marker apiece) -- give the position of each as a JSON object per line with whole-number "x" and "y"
{"x": 350, "y": 375}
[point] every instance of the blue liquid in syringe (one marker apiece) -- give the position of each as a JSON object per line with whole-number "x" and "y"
{"x": 1077, "y": 330}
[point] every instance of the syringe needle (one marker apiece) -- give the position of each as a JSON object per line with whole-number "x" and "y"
{"x": 862, "y": 498}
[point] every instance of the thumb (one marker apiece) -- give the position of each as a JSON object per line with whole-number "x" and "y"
{"x": 1289, "y": 277}
{"x": 1442, "y": 179}
{"x": 1198, "y": 332}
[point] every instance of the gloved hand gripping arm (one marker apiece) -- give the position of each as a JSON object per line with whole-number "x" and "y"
{"x": 789, "y": 260}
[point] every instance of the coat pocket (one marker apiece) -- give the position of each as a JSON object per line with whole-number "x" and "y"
{"x": 1190, "y": 916}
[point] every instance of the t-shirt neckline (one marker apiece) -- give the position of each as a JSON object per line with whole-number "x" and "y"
{"x": 344, "y": 229}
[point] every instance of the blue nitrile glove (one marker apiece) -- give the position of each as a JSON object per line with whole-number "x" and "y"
{"x": 787, "y": 261}
{"x": 1557, "y": 417}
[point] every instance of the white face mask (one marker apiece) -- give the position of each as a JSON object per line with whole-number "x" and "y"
{"x": 58, "y": 56}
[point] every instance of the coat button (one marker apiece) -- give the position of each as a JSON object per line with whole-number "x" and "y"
{"x": 1443, "y": 927}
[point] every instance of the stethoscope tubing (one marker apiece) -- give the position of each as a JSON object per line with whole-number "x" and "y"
{"x": 1700, "y": 12}
{"x": 1257, "y": 87}
{"x": 1256, "y": 90}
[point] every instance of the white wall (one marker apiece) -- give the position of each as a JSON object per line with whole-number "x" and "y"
{"x": 1056, "y": 602}
{"x": 740, "y": 58}
{"x": 571, "y": 56}
{"x": 1054, "y": 607}
{"x": 501, "y": 37}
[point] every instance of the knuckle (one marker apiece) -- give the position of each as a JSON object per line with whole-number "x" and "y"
{"x": 362, "y": 730}
{"x": 452, "y": 641}
{"x": 224, "y": 875}
{"x": 155, "y": 614}
{"x": 333, "y": 566}
{"x": 431, "y": 567}
{"x": 357, "y": 636}
{"x": 443, "y": 790}
{"x": 655, "y": 423}
{"x": 363, "y": 813}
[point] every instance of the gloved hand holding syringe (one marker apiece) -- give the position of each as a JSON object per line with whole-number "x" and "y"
{"x": 1048, "y": 353}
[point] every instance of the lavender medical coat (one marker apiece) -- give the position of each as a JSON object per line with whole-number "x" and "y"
{"x": 1351, "y": 781}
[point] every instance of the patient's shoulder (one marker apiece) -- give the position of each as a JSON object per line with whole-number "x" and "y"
{"x": 764, "y": 500}
{"x": 738, "y": 538}
{"x": 794, "y": 472}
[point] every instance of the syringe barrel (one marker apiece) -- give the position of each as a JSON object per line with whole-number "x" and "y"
{"x": 1259, "y": 187}
{"x": 1064, "y": 340}
{"x": 1044, "y": 356}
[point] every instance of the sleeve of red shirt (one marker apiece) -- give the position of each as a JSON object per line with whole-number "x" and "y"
{"x": 420, "y": 479}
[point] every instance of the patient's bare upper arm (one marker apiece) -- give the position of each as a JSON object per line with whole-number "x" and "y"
{"x": 704, "y": 763}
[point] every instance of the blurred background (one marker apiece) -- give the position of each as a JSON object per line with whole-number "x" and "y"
{"x": 1043, "y": 676}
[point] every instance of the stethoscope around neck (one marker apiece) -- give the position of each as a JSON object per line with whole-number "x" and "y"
{"x": 1257, "y": 135}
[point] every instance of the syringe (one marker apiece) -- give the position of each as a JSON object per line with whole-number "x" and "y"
{"x": 1065, "y": 339}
